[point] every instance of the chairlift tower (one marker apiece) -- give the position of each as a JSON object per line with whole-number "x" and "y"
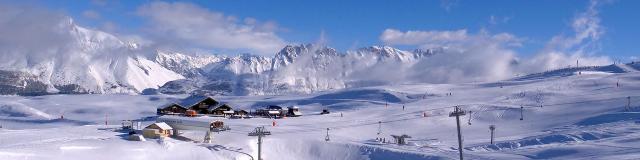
{"x": 457, "y": 112}
{"x": 492, "y": 128}
{"x": 327, "y": 137}
{"x": 379, "y": 127}
{"x": 259, "y": 132}
{"x": 628, "y": 103}
{"x": 469, "y": 118}
{"x": 521, "y": 114}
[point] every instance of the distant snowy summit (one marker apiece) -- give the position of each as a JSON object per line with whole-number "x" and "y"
{"x": 79, "y": 60}
{"x": 86, "y": 61}
{"x": 303, "y": 68}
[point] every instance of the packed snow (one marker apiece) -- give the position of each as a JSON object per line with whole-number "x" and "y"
{"x": 566, "y": 115}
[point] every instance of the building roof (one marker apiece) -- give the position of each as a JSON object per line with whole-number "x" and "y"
{"x": 171, "y": 104}
{"x": 160, "y": 125}
{"x": 193, "y": 100}
{"x": 224, "y": 106}
{"x": 274, "y": 107}
{"x": 401, "y": 136}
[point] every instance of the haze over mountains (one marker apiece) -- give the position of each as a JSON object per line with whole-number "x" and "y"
{"x": 96, "y": 62}
{"x": 59, "y": 56}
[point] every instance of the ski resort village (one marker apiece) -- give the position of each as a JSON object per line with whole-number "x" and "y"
{"x": 319, "y": 80}
{"x": 576, "y": 113}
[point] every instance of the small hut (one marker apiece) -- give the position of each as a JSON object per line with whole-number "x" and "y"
{"x": 293, "y": 111}
{"x": 157, "y": 130}
{"x": 274, "y": 111}
{"x": 401, "y": 139}
{"x": 325, "y": 111}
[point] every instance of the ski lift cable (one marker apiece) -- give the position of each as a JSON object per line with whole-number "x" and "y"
{"x": 350, "y": 125}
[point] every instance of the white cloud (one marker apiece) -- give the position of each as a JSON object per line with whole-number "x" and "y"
{"x": 449, "y": 39}
{"x": 393, "y": 37}
{"x": 563, "y": 50}
{"x": 587, "y": 30}
{"x": 467, "y": 57}
{"x": 484, "y": 56}
{"x": 187, "y": 25}
{"x": 31, "y": 31}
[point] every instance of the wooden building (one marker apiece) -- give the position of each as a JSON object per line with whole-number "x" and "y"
{"x": 222, "y": 110}
{"x": 293, "y": 111}
{"x": 241, "y": 114}
{"x": 198, "y": 103}
{"x": 271, "y": 111}
{"x": 157, "y": 130}
{"x": 171, "y": 109}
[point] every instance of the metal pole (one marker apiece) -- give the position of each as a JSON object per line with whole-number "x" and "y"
{"x": 457, "y": 112}
{"x": 327, "y": 138}
{"x": 259, "y": 147}
{"x": 459, "y": 136}
{"x": 629, "y": 103}
{"x": 469, "y": 118}
{"x": 521, "y": 114}
{"x": 491, "y": 136}
{"x": 260, "y": 132}
{"x": 379, "y": 127}
{"x": 492, "y": 128}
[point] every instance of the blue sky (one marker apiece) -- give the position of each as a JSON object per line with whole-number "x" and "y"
{"x": 354, "y": 24}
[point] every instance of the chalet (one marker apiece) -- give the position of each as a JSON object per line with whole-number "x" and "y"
{"x": 325, "y": 111}
{"x": 241, "y": 114}
{"x": 274, "y": 108}
{"x": 223, "y": 110}
{"x": 271, "y": 111}
{"x": 157, "y": 130}
{"x": 293, "y": 111}
{"x": 171, "y": 109}
{"x": 198, "y": 103}
{"x": 274, "y": 111}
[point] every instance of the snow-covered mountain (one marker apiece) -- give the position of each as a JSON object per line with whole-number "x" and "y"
{"x": 303, "y": 68}
{"x": 83, "y": 60}
{"x": 91, "y": 61}
{"x": 88, "y": 61}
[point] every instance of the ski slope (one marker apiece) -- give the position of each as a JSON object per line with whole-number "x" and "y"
{"x": 570, "y": 116}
